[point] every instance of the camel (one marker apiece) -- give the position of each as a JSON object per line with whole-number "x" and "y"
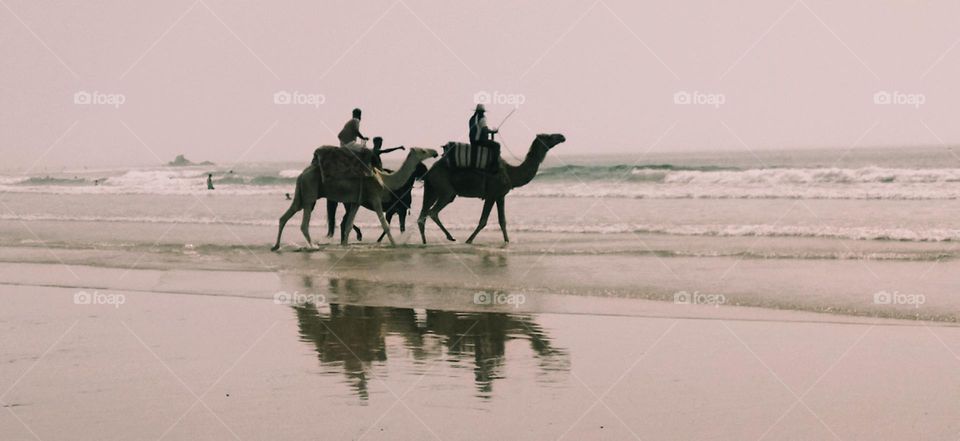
{"x": 443, "y": 184}
{"x": 368, "y": 191}
{"x": 396, "y": 203}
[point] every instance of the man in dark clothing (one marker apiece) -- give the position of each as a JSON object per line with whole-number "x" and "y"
{"x": 479, "y": 131}
{"x": 482, "y": 136}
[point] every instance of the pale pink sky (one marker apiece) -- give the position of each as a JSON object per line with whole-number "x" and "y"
{"x": 198, "y": 76}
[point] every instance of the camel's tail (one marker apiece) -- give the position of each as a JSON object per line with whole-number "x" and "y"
{"x": 297, "y": 203}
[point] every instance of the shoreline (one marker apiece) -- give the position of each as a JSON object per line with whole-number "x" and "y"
{"x": 768, "y": 284}
{"x": 265, "y": 286}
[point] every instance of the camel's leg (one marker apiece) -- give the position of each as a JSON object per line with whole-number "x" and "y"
{"x": 429, "y": 199}
{"x": 347, "y": 223}
{"x": 403, "y": 220}
{"x": 356, "y": 229}
{"x": 294, "y": 208}
{"x": 502, "y": 217}
{"x": 331, "y": 217}
{"x": 377, "y": 207}
{"x": 389, "y": 216}
{"x": 305, "y": 224}
{"x": 332, "y": 220}
{"x": 487, "y": 206}
{"x": 435, "y": 214}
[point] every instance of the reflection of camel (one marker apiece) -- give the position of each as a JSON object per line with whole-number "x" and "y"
{"x": 354, "y": 338}
{"x": 444, "y": 184}
{"x": 351, "y": 335}
{"x": 369, "y": 191}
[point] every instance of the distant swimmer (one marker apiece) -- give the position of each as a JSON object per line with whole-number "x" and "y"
{"x": 351, "y": 131}
{"x": 209, "y": 181}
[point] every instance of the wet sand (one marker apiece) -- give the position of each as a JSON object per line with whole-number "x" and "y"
{"x": 194, "y": 354}
{"x": 651, "y": 267}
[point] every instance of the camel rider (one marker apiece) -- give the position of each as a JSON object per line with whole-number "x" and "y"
{"x": 378, "y": 150}
{"x": 479, "y": 131}
{"x": 482, "y": 135}
{"x": 351, "y": 131}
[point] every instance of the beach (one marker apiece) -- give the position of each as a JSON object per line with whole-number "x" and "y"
{"x": 669, "y": 299}
{"x": 188, "y": 354}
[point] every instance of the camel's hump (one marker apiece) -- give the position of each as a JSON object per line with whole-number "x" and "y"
{"x": 341, "y": 162}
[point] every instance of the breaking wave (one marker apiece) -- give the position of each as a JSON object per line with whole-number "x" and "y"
{"x": 653, "y": 181}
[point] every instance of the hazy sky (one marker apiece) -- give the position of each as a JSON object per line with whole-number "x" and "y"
{"x": 199, "y": 76}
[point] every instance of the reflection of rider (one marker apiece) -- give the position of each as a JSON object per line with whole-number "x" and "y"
{"x": 351, "y": 131}
{"x": 482, "y": 135}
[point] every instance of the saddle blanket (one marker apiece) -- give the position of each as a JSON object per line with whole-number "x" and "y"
{"x": 463, "y": 155}
{"x": 344, "y": 162}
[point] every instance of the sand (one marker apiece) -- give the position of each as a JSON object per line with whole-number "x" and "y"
{"x": 209, "y": 354}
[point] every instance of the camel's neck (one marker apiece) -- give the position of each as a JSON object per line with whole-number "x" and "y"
{"x": 522, "y": 174}
{"x": 395, "y": 181}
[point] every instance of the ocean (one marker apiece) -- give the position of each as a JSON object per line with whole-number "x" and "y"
{"x": 862, "y": 194}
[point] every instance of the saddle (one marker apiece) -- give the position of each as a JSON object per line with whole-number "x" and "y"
{"x": 484, "y": 157}
{"x": 344, "y": 162}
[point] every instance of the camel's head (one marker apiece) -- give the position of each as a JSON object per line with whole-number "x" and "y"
{"x": 549, "y": 140}
{"x": 421, "y": 154}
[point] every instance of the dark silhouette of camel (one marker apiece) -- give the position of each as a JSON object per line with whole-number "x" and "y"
{"x": 398, "y": 203}
{"x": 443, "y": 184}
